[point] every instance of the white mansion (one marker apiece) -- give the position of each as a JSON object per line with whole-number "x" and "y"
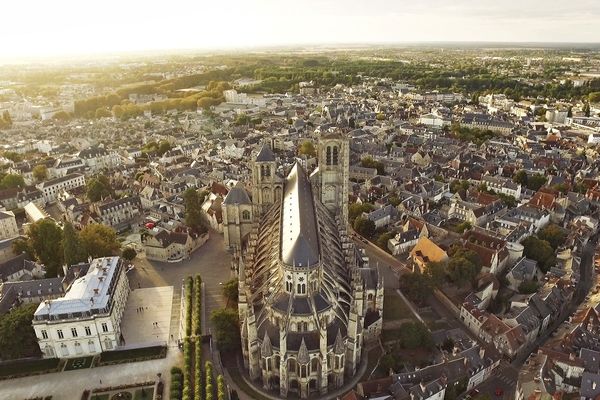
{"x": 87, "y": 319}
{"x": 308, "y": 300}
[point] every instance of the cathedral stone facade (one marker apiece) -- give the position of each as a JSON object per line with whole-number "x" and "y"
{"x": 308, "y": 300}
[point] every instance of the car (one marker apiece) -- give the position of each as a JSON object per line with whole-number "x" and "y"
{"x": 499, "y": 391}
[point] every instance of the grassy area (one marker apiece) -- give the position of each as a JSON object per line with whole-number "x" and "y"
{"x": 78, "y": 363}
{"x": 394, "y": 308}
{"x": 14, "y": 368}
{"x": 144, "y": 394}
{"x": 99, "y": 397}
{"x": 132, "y": 355}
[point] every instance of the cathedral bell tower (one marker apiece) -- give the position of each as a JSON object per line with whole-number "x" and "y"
{"x": 266, "y": 184}
{"x": 333, "y": 177}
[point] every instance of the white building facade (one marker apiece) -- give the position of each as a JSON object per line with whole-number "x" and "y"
{"x": 87, "y": 319}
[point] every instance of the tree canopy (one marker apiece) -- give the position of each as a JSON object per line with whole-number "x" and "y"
{"x": 307, "y": 148}
{"x": 12, "y": 181}
{"x": 540, "y": 251}
{"x": 98, "y": 187}
{"x": 46, "y": 241}
{"x": 73, "y": 249}
{"x": 17, "y": 337}
{"x": 40, "y": 172}
{"x": 193, "y": 210}
{"x": 364, "y": 227}
{"x": 99, "y": 240}
{"x": 227, "y": 328}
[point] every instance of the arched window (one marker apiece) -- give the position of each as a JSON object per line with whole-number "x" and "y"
{"x": 262, "y": 170}
{"x": 328, "y": 156}
{"x": 267, "y": 171}
{"x": 335, "y": 155}
{"x": 246, "y": 215}
{"x": 314, "y": 365}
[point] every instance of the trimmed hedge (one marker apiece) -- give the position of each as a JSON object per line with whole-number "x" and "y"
{"x": 221, "y": 392}
{"x": 197, "y": 318}
{"x": 208, "y": 369}
{"x": 198, "y": 392}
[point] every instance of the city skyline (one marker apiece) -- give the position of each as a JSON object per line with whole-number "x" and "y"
{"x": 71, "y": 28}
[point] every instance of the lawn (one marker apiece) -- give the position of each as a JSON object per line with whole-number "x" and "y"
{"x": 132, "y": 355}
{"x": 388, "y": 335}
{"x": 11, "y": 368}
{"x": 394, "y": 308}
{"x": 147, "y": 394}
{"x": 78, "y": 363}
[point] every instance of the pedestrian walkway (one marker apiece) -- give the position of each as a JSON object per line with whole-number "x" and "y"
{"x": 69, "y": 385}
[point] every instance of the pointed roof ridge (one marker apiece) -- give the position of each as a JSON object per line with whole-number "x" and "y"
{"x": 265, "y": 154}
{"x": 299, "y": 236}
{"x": 303, "y": 356}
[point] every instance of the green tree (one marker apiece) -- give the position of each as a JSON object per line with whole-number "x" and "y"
{"x": 355, "y": 210}
{"x": 536, "y": 181}
{"x": 103, "y": 112}
{"x": 12, "y": 181}
{"x": 436, "y": 272}
{"x": 46, "y": 241}
{"x": 23, "y": 246}
{"x": 230, "y": 291}
{"x": 520, "y": 178}
{"x": 416, "y": 286}
{"x": 40, "y": 172}
{"x": 163, "y": 147}
{"x": 586, "y": 109}
{"x": 99, "y": 240}
{"x": 226, "y": 324}
{"x": 382, "y": 240}
{"x": 527, "y": 287}
{"x": 72, "y": 247}
{"x": 364, "y": 227}
{"x": 193, "y": 210}
{"x": 61, "y": 116}
{"x": 415, "y": 335}
{"x": 368, "y": 162}
{"x": 553, "y": 234}
{"x": 98, "y": 188}
{"x": 457, "y": 185}
{"x": 594, "y": 97}
{"x": 307, "y": 148}
{"x": 540, "y": 251}
{"x": 17, "y": 337}
{"x": 129, "y": 253}
{"x": 6, "y": 118}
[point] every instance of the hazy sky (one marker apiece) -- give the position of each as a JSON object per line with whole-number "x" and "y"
{"x": 48, "y": 27}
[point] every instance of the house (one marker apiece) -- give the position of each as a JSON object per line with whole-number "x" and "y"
{"x": 8, "y": 225}
{"x": 424, "y": 252}
{"x": 492, "y": 251}
{"x": 118, "y": 214}
{"x": 523, "y": 271}
{"x": 30, "y": 291}
{"x": 408, "y": 237}
{"x": 20, "y": 268}
{"x": 171, "y": 246}
{"x": 382, "y": 216}
{"x": 52, "y": 188}
{"x": 502, "y": 185}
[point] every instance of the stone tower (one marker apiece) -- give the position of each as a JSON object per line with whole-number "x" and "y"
{"x": 333, "y": 177}
{"x": 266, "y": 184}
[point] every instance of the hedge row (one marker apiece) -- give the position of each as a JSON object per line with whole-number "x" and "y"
{"x": 221, "y": 393}
{"x": 197, "y": 318}
{"x": 176, "y": 383}
{"x": 208, "y": 369}
{"x": 189, "y": 283}
{"x": 198, "y": 371}
{"x": 187, "y": 363}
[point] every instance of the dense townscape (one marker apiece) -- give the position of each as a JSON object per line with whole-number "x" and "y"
{"x": 416, "y": 223}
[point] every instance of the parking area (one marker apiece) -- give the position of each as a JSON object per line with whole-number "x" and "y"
{"x": 147, "y": 317}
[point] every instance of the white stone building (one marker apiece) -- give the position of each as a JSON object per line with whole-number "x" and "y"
{"x": 52, "y": 188}
{"x": 87, "y": 319}
{"x": 8, "y": 225}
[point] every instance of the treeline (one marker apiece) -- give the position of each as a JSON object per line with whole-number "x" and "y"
{"x": 118, "y": 103}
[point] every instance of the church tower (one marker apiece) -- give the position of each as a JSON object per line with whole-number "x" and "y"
{"x": 333, "y": 176}
{"x": 266, "y": 184}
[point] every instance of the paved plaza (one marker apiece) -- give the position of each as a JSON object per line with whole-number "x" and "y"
{"x": 147, "y": 317}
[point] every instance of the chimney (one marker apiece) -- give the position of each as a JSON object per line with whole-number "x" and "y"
{"x": 95, "y": 291}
